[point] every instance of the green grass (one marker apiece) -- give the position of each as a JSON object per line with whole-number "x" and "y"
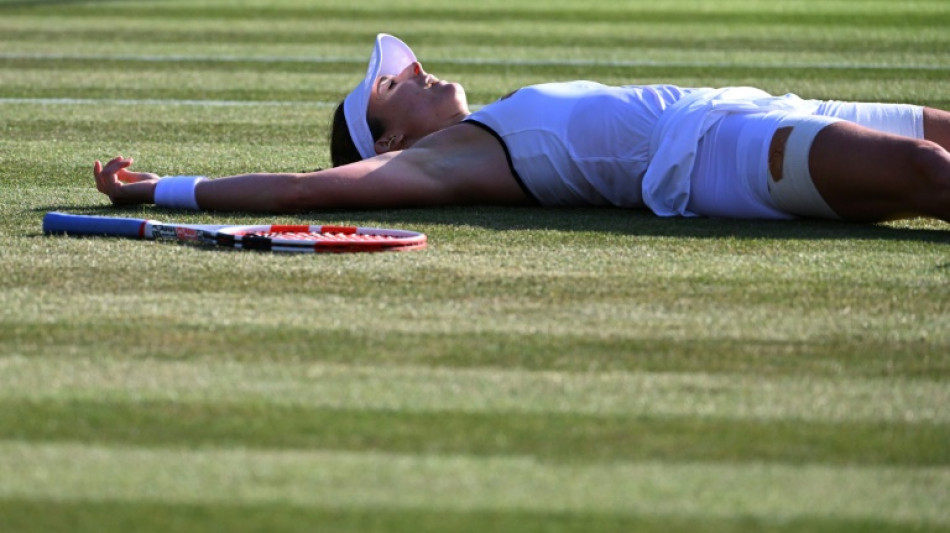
{"x": 533, "y": 370}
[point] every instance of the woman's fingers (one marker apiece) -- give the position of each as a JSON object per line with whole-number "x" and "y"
{"x": 123, "y": 186}
{"x": 107, "y": 180}
{"x": 97, "y": 172}
{"x": 117, "y": 164}
{"x": 127, "y": 176}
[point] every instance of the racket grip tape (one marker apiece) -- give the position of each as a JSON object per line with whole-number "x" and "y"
{"x": 92, "y": 225}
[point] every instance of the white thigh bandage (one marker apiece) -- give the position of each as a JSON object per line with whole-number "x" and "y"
{"x": 899, "y": 119}
{"x": 795, "y": 192}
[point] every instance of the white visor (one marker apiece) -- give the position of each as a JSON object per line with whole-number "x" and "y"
{"x": 390, "y": 57}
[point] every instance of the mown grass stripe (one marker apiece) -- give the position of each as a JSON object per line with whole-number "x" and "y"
{"x": 43, "y": 515}
{"x": 153, "y": 102}
{"x": 26, "y": 515}
{"x": 929, "y": 93}
{"x": 432, "y": 38}
{"x": 23, "y": 60}
{"x": 309, "y": 86}
{"x": 350, "y": 480}
{"x": 592, "y": 438}
{"x": 526, "y": 68}
{"x": 516, "y": 304}
{"x": 583, "y": 294}
{"x": 183, "y": 132}
{"x": 836, "y": 14}
{"x": 829, "y": 357}
{"x": 409, "y": 389}
{"x": 465, "y": 52}
{"x": 325, "y": 31}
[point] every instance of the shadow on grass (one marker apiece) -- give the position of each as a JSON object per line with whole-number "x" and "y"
{"x": 631, "y": 222}
{"x": 644, "y": 223}
{"x": 619, "y": 221}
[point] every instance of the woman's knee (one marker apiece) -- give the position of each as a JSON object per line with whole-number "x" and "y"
{"x": 930, "y": 161}
{"x": 937, "y": 126}
{"x": 930, "y": 165}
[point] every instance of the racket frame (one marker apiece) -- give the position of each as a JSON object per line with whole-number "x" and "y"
{"x": 243, "y": 237}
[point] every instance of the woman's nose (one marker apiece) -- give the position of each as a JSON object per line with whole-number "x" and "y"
{"x": 413, "y": 69}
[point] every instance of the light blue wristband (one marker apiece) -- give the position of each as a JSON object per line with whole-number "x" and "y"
{"x": 178, "y": 192}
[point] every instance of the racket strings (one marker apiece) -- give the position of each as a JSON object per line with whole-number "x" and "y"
{"x": 305, "y": 236}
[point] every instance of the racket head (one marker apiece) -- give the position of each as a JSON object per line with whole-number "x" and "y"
{"x": 320, "y": 239}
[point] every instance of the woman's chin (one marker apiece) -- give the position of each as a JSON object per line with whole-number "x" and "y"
{"x": 460, "y": 96}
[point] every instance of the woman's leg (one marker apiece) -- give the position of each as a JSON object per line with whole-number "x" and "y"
{"x": 866, "y": 175}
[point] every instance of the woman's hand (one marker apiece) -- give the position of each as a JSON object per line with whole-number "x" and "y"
{"x": 123, "y": 186}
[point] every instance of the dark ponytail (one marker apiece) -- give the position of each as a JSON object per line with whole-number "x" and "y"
{"x": 342, "y": 149}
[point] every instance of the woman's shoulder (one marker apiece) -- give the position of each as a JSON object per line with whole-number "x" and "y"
{"x": 473, "y": 159}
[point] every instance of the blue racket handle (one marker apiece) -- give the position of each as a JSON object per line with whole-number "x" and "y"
{"x": 92, "y": 225}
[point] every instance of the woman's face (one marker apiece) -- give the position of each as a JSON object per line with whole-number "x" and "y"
{"x": 413, "y": 104}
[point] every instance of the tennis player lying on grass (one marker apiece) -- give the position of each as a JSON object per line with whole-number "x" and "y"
{"x": 405, "y": 138}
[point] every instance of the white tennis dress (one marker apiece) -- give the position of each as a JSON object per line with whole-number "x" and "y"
{"x": 586, "y": 144}
{"x": 579, "y": 143}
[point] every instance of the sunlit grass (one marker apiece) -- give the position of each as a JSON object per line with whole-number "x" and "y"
{"x": 533, "y": 370}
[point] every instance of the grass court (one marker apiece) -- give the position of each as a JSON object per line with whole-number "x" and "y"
{"x": 533, "y": 370}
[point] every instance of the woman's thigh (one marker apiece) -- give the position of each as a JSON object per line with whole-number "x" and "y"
{"x": 728, "y": 178}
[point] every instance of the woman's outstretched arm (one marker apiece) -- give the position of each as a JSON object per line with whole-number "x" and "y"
{"x": 462, "y": 166}
{"x": 362, "y": 185}
{"x": 391, "y": 180}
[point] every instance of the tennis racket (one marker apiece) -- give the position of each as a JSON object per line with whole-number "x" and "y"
{"x": 272, "y": 238}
